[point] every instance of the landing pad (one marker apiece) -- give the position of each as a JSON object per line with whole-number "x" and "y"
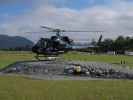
{"x": 56, "y": 70}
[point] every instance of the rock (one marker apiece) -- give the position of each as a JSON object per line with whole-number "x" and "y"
{"x": 89, "y": 69}
{"x": 87, "y": 73}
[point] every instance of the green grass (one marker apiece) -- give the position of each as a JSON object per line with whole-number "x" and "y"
{"x": 8, "y": 57}
{"x": 102, "y": 58}
{"x": 19, "y": 88}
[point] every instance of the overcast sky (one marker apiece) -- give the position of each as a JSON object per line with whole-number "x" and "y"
{"x": 115, "y": 17}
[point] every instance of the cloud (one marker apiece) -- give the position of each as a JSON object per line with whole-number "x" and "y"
{"x": 115, "y": 20}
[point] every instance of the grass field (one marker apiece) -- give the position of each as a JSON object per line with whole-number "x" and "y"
{"x": 9, "y": 57}
{"x": 21, "y": 88}
{"x": 103, "y": 58}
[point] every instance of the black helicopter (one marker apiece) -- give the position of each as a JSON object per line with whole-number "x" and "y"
{"x": 56, "y": 44}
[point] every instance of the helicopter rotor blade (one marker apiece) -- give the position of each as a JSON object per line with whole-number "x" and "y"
{"x": 59, "y": 30}
{"x": 49, "y": 28}
{"x": 38, "y": 32}
{"x": 82, "y": 31}
{"x": 62, "y": 31}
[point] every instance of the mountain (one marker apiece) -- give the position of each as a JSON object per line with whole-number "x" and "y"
{"x": 7, "y": 42}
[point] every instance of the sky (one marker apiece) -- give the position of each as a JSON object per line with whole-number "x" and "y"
{"x": 114, "y": 17}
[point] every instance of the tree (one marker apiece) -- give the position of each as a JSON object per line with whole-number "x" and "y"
{"x": 120, "y": 44}
{"x": 107, "y": 45}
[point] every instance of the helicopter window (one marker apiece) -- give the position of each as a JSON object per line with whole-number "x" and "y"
{"x": 38, "y": 43}
{"x": 42, "y": 43}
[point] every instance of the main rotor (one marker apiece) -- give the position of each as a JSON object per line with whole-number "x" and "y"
{"x": 59, "y": 31}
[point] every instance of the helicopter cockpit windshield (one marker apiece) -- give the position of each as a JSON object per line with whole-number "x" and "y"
{"x": 42, "y": 43}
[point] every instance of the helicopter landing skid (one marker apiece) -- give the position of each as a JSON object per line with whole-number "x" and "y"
{"x": 44, "y": 57}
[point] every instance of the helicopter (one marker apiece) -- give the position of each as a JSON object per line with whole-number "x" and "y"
{"x": 56, "y": 44}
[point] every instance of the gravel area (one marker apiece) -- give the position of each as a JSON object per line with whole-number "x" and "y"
{"x": 65, "y": 70}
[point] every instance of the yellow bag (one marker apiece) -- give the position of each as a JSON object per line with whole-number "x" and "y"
{"x": 78, "y": 69}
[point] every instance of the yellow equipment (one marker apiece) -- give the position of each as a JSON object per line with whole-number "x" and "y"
{"x": 77, "y": 68}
